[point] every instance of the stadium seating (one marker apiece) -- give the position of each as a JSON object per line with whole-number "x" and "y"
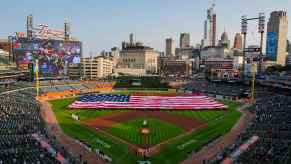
{"x": 216, "y": 88}
{"x": 272, "y": 125}
{"x": 19, "y": 120}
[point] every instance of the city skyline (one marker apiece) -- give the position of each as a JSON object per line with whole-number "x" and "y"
{"x": 103, "y": 25}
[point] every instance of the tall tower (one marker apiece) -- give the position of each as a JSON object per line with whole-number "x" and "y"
{"x": 170, "y": 47}
{"x": 224, "y": 41}
{"x": 237, "y": 41}
{"x": 29, "y": 26}
{"x": 184, "y": 40}
{"x": 131, "y": 39}
{"x": 209, "y": 38}
{"x": 67, "y": 28}
{"x": 213, "y": 32}
{"x": 277, "y": 37}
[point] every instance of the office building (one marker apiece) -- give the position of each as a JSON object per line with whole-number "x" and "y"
{"x": 136, "y": 59}
{"x": 209, "y": 37}
{"x": 276, "y": 37}
{"x": 176, "y": 67}
{"x": 208, "y": 53}
{"x": 74, "y": 71}
{"x": 237, "y": 41}
{"x": 224, "y": 41}
{"x": 96, "y": 67}
{"x": 5, "y": 45}
{"x": 187, "y": 53}
{"x": 184, "y": 40}
{"x": 170, "y": 47}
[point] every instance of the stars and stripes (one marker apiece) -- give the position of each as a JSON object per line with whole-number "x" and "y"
{"x": 108, "y": 101}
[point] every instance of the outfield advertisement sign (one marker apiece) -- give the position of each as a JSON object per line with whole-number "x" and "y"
{"x": 272, "y": 45}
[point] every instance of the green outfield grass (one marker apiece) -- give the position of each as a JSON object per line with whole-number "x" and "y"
{"x": 219, "y": 122}
{"x": 207, "y": 115}
{"x": 84, "y": 114}
{"x": 159, "y": 131}
{"x": 217, "y": 126}
{"x": 116, "y": 150}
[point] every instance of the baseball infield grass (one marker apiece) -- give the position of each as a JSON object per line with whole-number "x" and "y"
{"x": 159, "y": 131}
{"x": 219, "y": 123}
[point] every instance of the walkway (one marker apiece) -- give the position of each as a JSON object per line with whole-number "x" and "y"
{"x": 69, "y": 143}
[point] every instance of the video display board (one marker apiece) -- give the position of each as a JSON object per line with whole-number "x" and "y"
{"x": 54, "y": 55}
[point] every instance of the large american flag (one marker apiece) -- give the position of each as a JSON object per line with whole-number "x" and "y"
{"x": 105, "y": 101}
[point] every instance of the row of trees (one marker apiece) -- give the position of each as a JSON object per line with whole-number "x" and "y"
{"x": 278, "y": 68}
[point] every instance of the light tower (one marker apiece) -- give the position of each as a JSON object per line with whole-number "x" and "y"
{"x": 37, "y": 77}
{"x": 244, "y": 31}
{"x": 261, "y": 30}
{"x": 67, "y": 28}
{"x": 29, "y": 26}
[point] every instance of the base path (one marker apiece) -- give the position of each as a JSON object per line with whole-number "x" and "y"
{"x": 69, "y": 143}
{"x": 208, "y": 152}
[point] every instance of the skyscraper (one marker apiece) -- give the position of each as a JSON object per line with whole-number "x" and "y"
{"x": 170, "y": 47}
{"x": 224, "y": 41}
{"x": 184, "y": 40}
{"x": 277, "y": 36}
{"x": 209, "y": 38}
{"x": 237, "y": 41}
{"x": 131, "y": 38}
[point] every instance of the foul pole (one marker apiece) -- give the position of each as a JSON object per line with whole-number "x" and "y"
{"x": 37, "y": 77}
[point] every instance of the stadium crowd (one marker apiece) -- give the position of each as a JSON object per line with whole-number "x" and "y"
{"x": 272, "y": 126}
{"x": 219, "y": 88}
{"x": 20, "y": 122}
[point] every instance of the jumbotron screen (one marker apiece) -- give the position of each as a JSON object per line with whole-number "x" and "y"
{"x": 54, "y": 56}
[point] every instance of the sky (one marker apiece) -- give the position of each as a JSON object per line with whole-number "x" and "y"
{"x": 103, "y": 24}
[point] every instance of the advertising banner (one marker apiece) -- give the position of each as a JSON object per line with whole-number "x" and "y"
{"x": 272, "y": 45}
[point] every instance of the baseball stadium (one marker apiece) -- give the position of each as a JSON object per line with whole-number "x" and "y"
{"x": 203, "y": 103}
{"x": 106, "y": 122}
{"x": 153, "y": 125}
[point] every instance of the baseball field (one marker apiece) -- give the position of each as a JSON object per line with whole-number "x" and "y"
{"x": 172, "y": 135}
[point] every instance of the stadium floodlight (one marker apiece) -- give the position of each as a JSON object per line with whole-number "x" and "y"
{"x": 261, "y": 22}
{"x": 244, "y": 24}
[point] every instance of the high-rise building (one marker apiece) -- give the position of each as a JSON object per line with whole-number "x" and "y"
{"x": 209, "y": 38}
{"x": 170, "y": 47}
{"x": 131, "y": 38}
{"x": 96, "y": 67}
{"x": 277, "y": 36}
{"x": 224, "y": 41}
{"x": 184, "y": 40}
{"x": 137, "y": 59}
{"x": 237, "y": 41}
